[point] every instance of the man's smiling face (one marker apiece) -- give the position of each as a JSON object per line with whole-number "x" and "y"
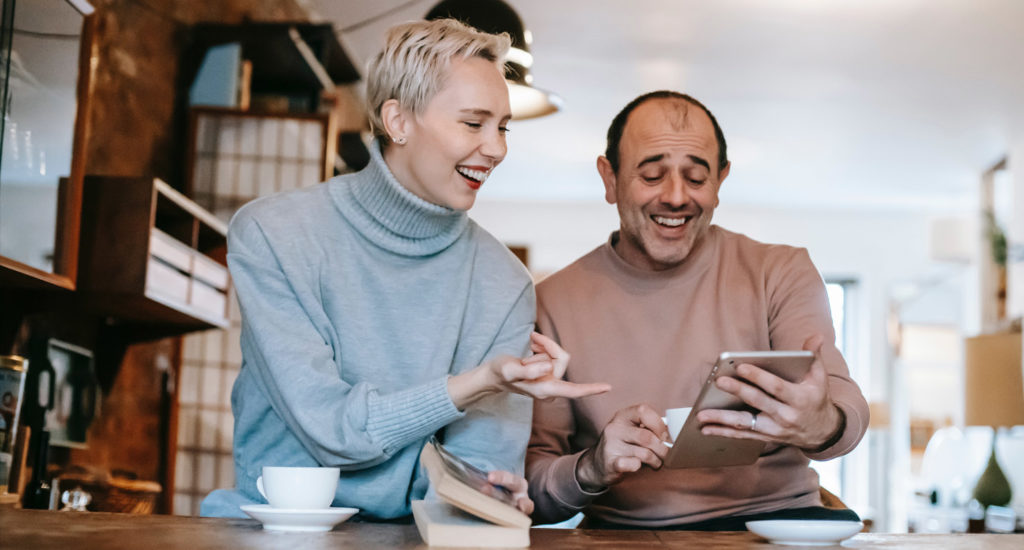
{"x": 666, "y": 187}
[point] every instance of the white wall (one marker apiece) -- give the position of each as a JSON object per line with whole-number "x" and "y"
{"x": 878, "y": 249}
{"x": 1015, "y": 231}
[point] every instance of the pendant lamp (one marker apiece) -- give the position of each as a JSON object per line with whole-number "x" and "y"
{"x": 495, "y": 16}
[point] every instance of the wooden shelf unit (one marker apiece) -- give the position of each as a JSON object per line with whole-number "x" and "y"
{"x": 152, "y": 256}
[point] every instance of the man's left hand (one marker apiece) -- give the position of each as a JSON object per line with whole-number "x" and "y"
{"x": 799, "y": 414}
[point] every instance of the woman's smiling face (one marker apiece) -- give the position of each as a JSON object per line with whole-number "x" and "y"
{"x": 451, "y": 147}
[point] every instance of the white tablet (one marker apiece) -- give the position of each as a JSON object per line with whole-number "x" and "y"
{"x": 692, "y": 449}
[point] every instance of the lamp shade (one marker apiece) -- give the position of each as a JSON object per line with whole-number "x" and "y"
{"x": 495, "y": 17}
{"x": 993, "y": 380}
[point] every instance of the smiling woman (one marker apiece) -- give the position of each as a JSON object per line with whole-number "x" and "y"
{"x": 376, "y": 313}
{"x": 445, "y": 153}
{"x": 443, "y": 149}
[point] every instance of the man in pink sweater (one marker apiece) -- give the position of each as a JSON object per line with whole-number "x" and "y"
{"x": 649, "y": 312}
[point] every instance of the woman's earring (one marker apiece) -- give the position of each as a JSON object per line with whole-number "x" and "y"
{"x": 400, "y": 140}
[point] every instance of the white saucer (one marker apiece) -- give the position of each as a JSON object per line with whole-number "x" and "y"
{"x": 805, "y": 532}
{"x": 287, "y": 519}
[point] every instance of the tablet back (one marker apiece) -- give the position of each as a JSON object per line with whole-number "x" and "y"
{"x": 692, "y": 449}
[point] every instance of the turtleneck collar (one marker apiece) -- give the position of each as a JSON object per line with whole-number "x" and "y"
{"x": 696, "y": 262}
{"x": 391, "y": 216}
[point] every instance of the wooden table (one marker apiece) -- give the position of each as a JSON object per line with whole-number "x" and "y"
{"x": 39, "y": 530}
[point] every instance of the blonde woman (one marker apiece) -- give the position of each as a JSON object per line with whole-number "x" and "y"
{"x": 376, "y": 313}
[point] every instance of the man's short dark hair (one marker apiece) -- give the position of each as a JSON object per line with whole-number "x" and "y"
{"x": 619, "y": 125}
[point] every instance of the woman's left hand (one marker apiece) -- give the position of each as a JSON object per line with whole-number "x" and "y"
{"x": 516, "y": 484}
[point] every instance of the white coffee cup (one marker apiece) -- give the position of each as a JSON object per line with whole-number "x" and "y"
{"x": 674, "y": 419}
{"x": 298, "y": 488}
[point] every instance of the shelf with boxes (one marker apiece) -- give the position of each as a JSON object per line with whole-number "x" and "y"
{"x": 152, "y": 256}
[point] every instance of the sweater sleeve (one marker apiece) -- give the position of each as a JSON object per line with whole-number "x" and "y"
{"x": 494, "y": 432}
{"x": 799, "y": 309}
{"x": 349, "y": 426}
{"x": 550, "y": 462}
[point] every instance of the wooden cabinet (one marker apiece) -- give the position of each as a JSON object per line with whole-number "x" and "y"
{"x": 152, "y": 256}
{"x": 39, "y": 228}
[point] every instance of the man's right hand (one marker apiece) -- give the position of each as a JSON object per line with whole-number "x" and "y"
{"x": 635, "y": 436}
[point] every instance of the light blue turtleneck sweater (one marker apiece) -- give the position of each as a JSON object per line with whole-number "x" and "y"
{"x": 358, "y": 300}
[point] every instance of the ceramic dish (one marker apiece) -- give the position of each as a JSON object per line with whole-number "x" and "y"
{"x": 285, "y": 519}
{"x": 805, "y": 532}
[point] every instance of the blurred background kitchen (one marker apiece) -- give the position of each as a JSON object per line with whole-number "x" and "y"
{"x": 886, "y": 136}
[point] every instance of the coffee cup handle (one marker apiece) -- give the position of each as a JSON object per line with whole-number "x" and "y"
{"x": 259, "y": 487}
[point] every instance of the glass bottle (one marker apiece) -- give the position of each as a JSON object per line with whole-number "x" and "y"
{"x": 37, "y": 492}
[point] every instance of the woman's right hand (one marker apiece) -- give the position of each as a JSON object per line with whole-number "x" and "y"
{"x": 538, "y": 376}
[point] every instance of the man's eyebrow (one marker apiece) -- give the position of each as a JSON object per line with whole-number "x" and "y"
{"x": 656, "y": 158}
{"x": 700, "y": 161}
{"x": 650, "y": 159}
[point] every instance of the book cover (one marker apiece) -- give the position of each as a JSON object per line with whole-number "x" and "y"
{"x": 216, "y": 84}
{"x": 441, "y": 524}
{"x": 474, "y": 512}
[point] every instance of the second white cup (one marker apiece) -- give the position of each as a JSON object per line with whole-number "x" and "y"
{"x": 674, "y": 419}
{"x": 298, "y": 488}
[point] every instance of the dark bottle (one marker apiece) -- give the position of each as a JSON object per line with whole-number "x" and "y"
{"x": 40, "y": 382}
{"x": 37, "y": 492}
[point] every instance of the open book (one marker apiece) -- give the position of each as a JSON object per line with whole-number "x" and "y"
{"x": 474, "y": 512}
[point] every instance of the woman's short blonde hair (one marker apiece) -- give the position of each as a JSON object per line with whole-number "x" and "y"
{"x": 412, "y": 66}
